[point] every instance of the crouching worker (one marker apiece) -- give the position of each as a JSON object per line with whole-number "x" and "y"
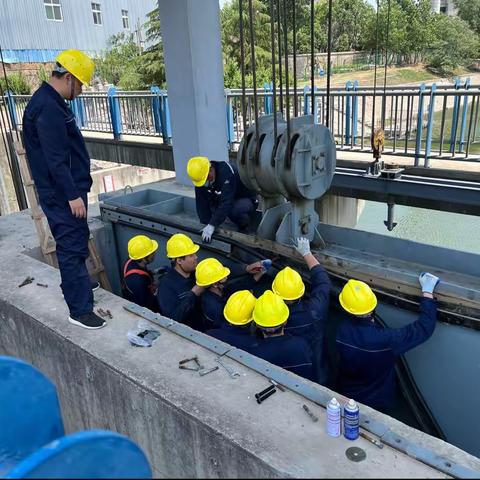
{"x": 366, "y": 352}
{"x": 212, "y": 275}
{"x": 178, "y": 294}
{"x": 238, "y": 312}
{"x": 138, "y": 284}
{"x": 308, "y": 317}
{"x": 287, "y": 351}
{"x": 219, "y": 193}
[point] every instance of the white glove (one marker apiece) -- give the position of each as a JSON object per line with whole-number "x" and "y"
{"x": 303, "y": 246}
{"x": 207, "y": 233}
{"x": 428, "y": 282}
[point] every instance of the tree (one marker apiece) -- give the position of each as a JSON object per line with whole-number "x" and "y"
{"x": 469, "y": 11}
{"x": 455, "y": 44}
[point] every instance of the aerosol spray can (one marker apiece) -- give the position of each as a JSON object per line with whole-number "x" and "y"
{"x": 333, "y": 418}
{"x": 351, "y": 420}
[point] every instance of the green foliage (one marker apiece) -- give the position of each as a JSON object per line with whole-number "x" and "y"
{"x": 43, "y": 75}
{"x": 17, "y": 84}
{"x": 454, "y": 45}
{"x": 469, "y": 11}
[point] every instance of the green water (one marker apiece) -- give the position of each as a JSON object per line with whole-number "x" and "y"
{"x": 450, "y": 230}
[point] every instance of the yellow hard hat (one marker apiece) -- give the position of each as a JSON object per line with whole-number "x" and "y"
{"x": 239, "y": 307}
{"x": 270, "y": 310}
{"x": 210, "y": 271}
{"x": 78, "y": 64}
{"x": 357, "y": 298}
{"x": 288, "y": 284}
{"x": 141, "y": 246}
{"x": 198, "y": 169}
{"x": 179, "y": 245}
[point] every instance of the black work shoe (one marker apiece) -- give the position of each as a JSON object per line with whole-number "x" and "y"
{"x": 94, "y": 285}
{"x": 89, "y": 320}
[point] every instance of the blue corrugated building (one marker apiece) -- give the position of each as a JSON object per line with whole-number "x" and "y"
{"x": 37, "y": 30}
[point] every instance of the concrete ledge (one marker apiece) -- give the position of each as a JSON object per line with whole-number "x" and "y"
{"x": 189, "y": 426}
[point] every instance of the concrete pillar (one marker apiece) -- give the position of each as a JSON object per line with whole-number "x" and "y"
{"x": 341, "y": 211}
{"x": 194, "y": 71}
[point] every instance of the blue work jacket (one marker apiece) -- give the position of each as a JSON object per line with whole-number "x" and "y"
{"x": 236, "y": 336}
{"x": 213, "y": 304}
{"x": 367, "y": 353}
{"x": 215, "y": 202}
{"x": 286, "y": 351}
{"x": 177, "y": 301}
{"x": 56, "y": 150}
{"x": 139, "y": 287}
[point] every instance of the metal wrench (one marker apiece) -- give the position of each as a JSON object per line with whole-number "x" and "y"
{"x": 228, "y": 368}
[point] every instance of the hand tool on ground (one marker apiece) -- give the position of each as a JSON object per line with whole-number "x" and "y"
{"x": 310, "y": 413}
{"x": 275, "y": 384}
{"x": 228, "y": 368}
{"x": 104, "y": 314}
{"x": 205, "y": 371}
{"x": 262, "y": 398}
{"x": 263, "y": 392}
{"x": 44, "y": 285}
{"x": 26, "y": 282}
{"x": 371, "y": 439}
{"x": 198, "y": 368}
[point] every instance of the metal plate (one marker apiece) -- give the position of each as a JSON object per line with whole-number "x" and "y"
{"x": 355, "y": 454}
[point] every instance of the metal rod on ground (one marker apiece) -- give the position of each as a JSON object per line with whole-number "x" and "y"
{"x": 279, "y": 29}
{"x": 329, "y": 59}
{"x": 384, "y": 104}
{"x": 242, "y": 65}
{"x": 312, "y": 57}
{"x": 287, "y": 88}
{"x": 274, "y": 86}
{"x": 294, "y": 26}
{"x": 254, "y": 75}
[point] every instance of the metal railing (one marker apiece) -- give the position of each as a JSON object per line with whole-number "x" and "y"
{"x": 426, "y": 122}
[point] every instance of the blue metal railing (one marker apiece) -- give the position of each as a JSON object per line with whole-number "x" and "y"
{"x": 426, "y": 122}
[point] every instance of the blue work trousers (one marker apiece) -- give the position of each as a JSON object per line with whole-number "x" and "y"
{"x": 240, "y": 213}
{"x": 71, "y": 235}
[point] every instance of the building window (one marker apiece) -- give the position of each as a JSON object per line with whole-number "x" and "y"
{"x": 53, "y": 9}
{"x": 125, "y": 21}
{"x": 97, "y": 14}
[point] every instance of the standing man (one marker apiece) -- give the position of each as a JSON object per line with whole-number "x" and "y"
{"x": 60, "y": 167}
{"x": 367, "y": 352}
{"x": 138, "y": 283}
{"x": 308, "y": 317}
{"x": 178, "y": 295}
{"x": 219, "y": 193}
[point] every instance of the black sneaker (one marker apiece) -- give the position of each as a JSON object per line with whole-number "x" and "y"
{"x": 94, "y": 285}
{"x": 89, "y": 320}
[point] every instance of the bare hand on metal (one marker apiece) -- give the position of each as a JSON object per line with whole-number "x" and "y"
{"x": 78, "y": 208}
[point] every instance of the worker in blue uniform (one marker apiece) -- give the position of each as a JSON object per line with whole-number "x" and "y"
{"x": 213, "y": 276}
{"x": 366, "y": 351}
{"x": 60, "y": 167}
{"x": 287, "y": 351}
{"x": 220, "y": 193}
{"x": 308, "y": 317}
{"x": 238, "y": 313}
{"x": 178, "y": 294}
{"x": 138, "y": 282}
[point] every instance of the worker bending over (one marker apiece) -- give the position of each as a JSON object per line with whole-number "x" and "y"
{"x": 367, "y": 352}
{"x": 213, "y": 276}
{"x": 238, "y": 312}
{"x": 219, "y": 193}
{"x": 178, "y": 295}
{"x": 307, "y": 317}
{"x": 138, "y": 283}
{"x": 287, "y": 351}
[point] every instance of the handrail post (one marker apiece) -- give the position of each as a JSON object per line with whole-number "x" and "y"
{"x": 165, "y": 117}
{"x": 306, "y": 100}
{"x": 428, "y": 140}
{"x": 348, "y": 101}
{"x": 157, "y": 123}
{"x": 114, "y": 106}
{"x": 12, "y": 110}
{"x": 463, "y": 126}
{"x": 355, "y": 113}
{"x": 418, "y": 141}
{"x": 456, "y": 103}
{"x": 229, "y": 107}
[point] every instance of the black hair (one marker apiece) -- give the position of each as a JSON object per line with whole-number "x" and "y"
{"x": 57, "y": 74}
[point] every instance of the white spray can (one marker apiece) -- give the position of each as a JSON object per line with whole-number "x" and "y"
{"x": 351, "y": 420}
{"x": 333, "y": 418}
